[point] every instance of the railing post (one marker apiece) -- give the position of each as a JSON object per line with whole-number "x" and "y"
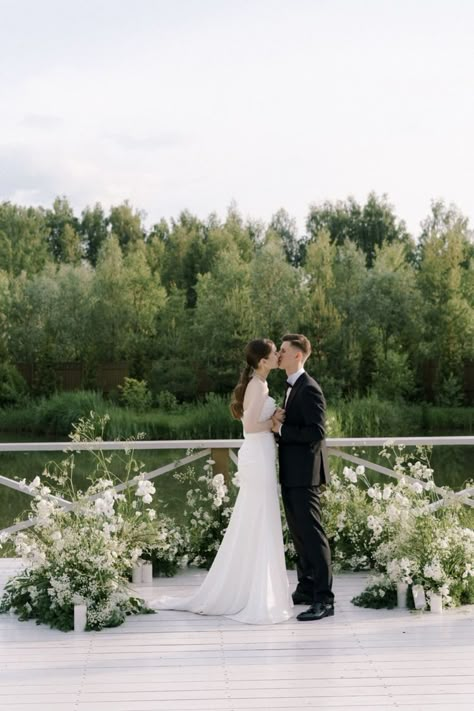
{"x": 221, "y": 463}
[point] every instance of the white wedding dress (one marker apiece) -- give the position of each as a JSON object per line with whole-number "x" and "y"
{"x": 247, "y": 580}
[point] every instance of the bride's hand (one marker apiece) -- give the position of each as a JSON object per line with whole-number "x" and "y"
{"x": 279, "y": 414}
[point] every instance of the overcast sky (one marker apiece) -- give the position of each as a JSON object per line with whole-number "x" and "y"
{"x": 190, "y": 104}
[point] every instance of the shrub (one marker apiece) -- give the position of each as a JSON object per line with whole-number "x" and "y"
{"x": 12, "y": 386}
{"x": 55, "y": 415}
{"x": 450, "y": 392}
{"x": 166, "y": 401}
{"x": 135, "y": 394}
{"x": 393, "y": 379}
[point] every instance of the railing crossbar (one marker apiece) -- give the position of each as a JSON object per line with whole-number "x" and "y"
{"x": 390, "y": 472}
{"x": 71, "y": 506}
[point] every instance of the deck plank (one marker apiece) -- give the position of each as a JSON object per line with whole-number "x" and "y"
{"x": 358, "y": 659}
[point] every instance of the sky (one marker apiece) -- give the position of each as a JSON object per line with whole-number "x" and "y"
{"x": 195, "y": 104}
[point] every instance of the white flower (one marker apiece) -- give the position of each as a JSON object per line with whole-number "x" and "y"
{"x": 375, "y": 524}
{"x": 433, "y": 570}
{"x": 350, "y": 474}
{"x": 44, "y": 510}
{"x": 387, "y": 492}
{"x": 417, "y": 488}
{"x": 145, "y": 488}
{"x": 151, "y": 514}
{"x": 35, "y": 484}
{"x": 360, "y": 470}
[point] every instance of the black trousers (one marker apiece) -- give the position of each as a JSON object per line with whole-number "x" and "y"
{"x": 303, "y": 513}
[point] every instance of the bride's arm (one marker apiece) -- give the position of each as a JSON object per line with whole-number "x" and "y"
{"x": 254, "y": 399}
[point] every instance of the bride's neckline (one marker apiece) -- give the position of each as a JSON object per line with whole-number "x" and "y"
{"x": 262, "y": 380}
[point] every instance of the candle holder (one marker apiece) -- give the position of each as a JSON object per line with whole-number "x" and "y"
{"x": 402, "y": 589}
{"x": 80, "y": 617}
{"x": 419, "y": 597}
{"x": 137, "y": 573}
{"x": 436, "y": 603}
{"x": 147, "y": 573}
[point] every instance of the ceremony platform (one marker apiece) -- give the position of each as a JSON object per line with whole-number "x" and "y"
{"x": 177, "y": 661}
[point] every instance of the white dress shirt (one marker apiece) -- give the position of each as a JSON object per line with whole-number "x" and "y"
{"x": 291, "y": 379}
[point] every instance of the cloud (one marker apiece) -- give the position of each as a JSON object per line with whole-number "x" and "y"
{"x": 42, "y": 122}
{"x": 24, "y": 176}
{"x": 165, "y": 139}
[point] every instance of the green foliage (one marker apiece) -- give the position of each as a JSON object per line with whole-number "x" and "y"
{"x": 379, "y": 417}
{"x": 135, "y": 394}
{"x": 12, "y": 386}
{"x": 178, "y": 302}
{"x": 368, "y": 226}
{"x": 23, "y": 234}
{"x": 63, "y": 232}
{"x": 56, "y": 414}
{"x": 450, "y": 392}
{"x": 380, "y": 594}
{"x": 393, "y": 378}
{"x": 93, "y": 229}
{"x": 166, "y": 401}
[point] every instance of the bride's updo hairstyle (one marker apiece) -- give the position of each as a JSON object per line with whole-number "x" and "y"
{"x": 254, "y": 352}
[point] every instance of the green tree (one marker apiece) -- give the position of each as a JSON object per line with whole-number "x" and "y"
{"x": 145, "y": 299}
{"x": 94, "y": 231}
{"x": 63, "y": 232}
{"x": 174, "y": 353}
{"x": 50, "y": 317}
{"x": 126, "y": 225}
{"x": 285, "y": 227}
{"x": 389, "y": 317}
{"x": 368, "y": 226}
{"x": 23, "y": 245}
{"x": 224, "y": 321}
{"x": 109, "y": 304}
{"x": 350, "y": 275}
{"x": 276, "y": 292}
{"x": 444, "y": 270}
{"x": 321, "y": 321}
{"x": 185, "y": 255}
{"x": 4, "y": 314}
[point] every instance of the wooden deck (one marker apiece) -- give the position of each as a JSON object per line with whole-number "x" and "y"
{"x": 358, "y": 659}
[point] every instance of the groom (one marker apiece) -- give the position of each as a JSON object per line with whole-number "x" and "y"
{"x": 303, "y": 469}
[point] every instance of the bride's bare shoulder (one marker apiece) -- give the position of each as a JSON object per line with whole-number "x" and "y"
{"x": 255, "y": 388}
{"x": 257, "y": 385}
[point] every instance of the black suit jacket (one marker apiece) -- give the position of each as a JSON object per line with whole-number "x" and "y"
{"x": 302, "y": 452}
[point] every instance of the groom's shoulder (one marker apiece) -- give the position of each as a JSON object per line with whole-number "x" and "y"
{"x": 311, "y": 382}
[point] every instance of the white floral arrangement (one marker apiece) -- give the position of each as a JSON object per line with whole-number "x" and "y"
{"x": 208, "y": 508}
{"x": 84, "y": 544}
{"x": 408, "y": 531}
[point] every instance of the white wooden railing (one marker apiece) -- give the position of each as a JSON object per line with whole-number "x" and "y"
{"x": 221, "y": 450}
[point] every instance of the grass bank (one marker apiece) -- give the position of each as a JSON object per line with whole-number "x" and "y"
{"x": 53, "y": 417}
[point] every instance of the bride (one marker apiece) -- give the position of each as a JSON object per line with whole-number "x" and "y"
{"x": 247, "y": 580}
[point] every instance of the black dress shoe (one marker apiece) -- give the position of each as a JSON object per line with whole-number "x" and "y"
{"x": 316, "y": 611}
{"x": 301, "y": 599}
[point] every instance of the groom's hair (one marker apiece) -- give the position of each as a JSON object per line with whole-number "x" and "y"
{"x": 300, "y": 342}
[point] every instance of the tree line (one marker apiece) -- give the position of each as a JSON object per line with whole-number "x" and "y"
{"x": 179, "y": 300}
